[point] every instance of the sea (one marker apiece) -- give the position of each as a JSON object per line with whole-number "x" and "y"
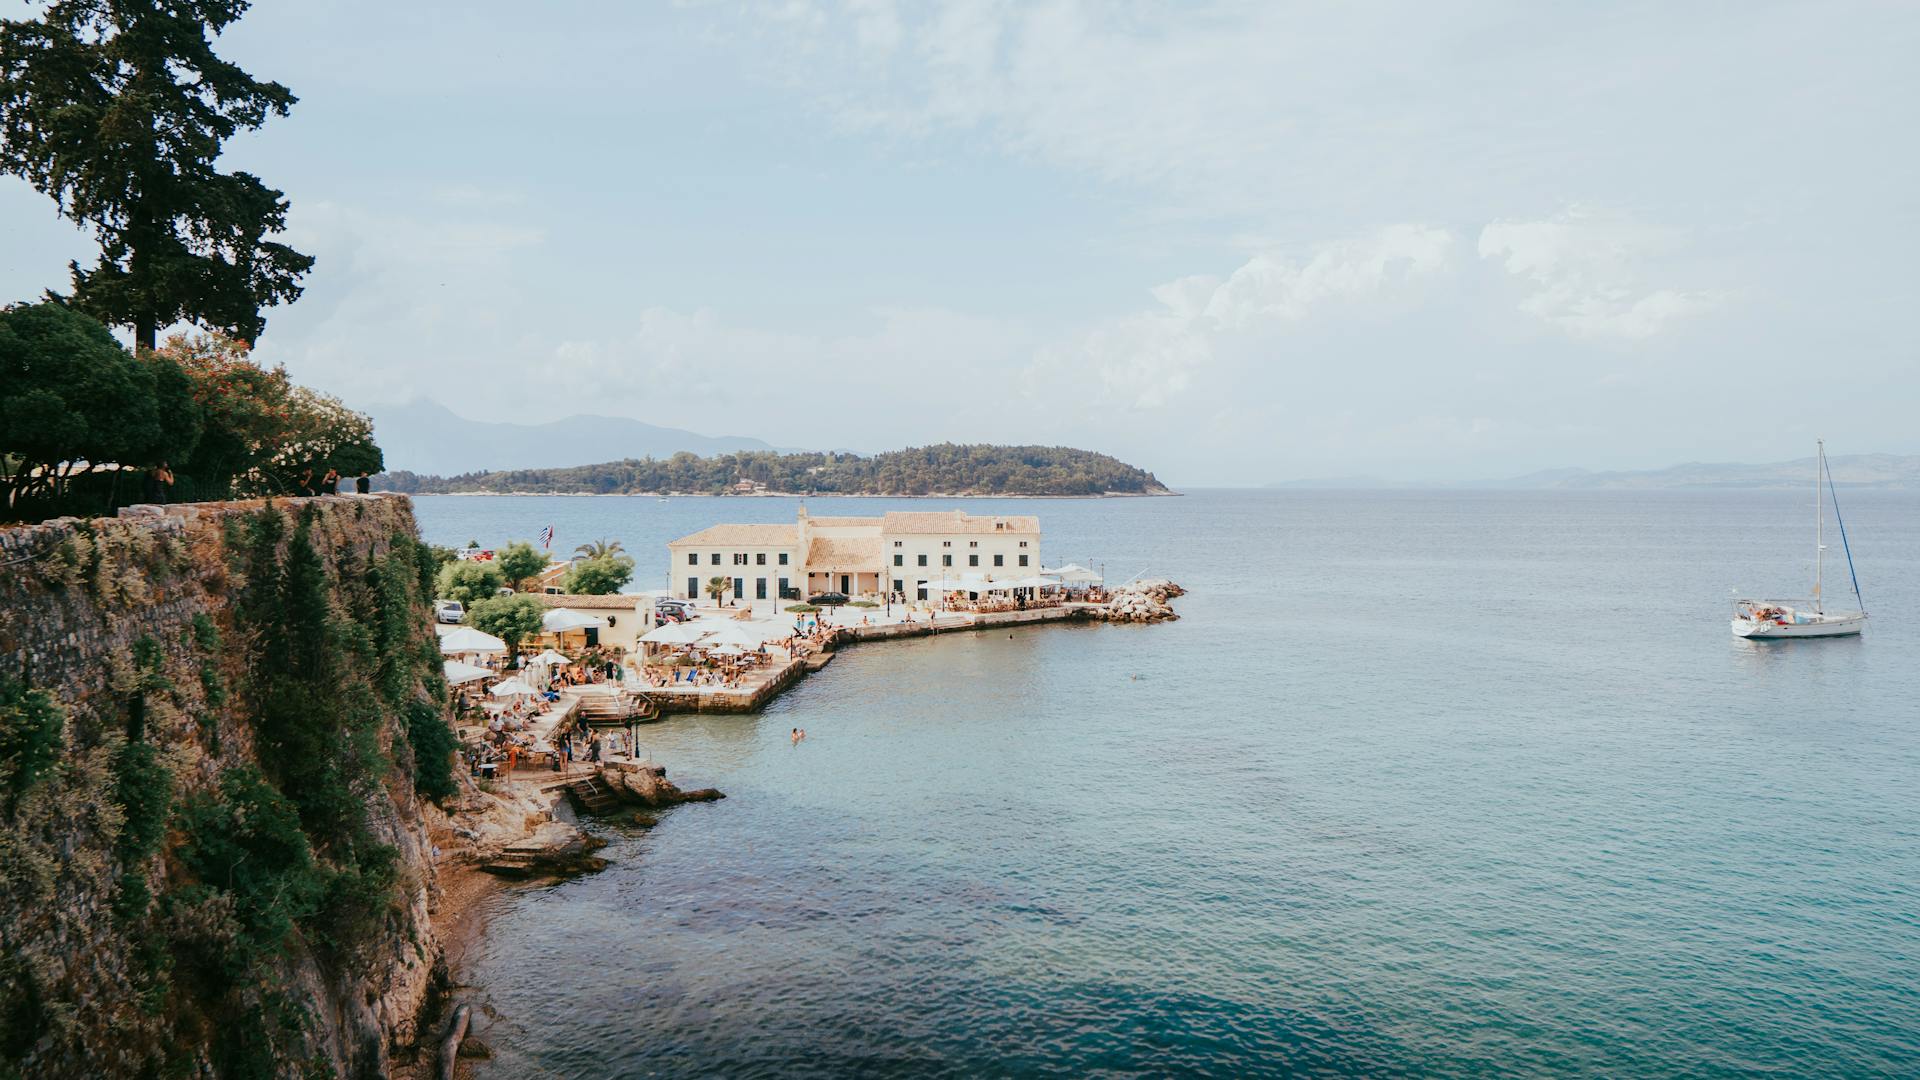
{"x": 1435, "y": 783}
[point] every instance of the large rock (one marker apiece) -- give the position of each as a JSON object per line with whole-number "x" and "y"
{"x": 646, "y": 783}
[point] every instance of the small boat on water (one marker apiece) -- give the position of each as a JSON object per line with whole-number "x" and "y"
{"x": 1797, "y": 619}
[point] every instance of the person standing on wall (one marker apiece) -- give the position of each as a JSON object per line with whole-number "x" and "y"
{"x": 159, "y": 478}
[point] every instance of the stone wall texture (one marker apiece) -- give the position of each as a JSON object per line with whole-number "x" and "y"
{"x": 88, "y": 610}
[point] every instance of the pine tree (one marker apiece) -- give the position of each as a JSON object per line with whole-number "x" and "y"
{"x": 118, "y": 109}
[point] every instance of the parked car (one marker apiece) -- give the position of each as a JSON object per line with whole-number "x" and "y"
{"x": 827, "y": 599}
{"x": 679, "y": 609}
{"x": 449, "y": 611}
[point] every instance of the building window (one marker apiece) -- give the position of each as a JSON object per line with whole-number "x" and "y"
{"x": 973, "y": 560}
{"x": 693, "y": 558}
{"x": 783, "y": 558}
{"x": 946, "y": 560}
{"x": 716, "y": 559}
{"x": 896, "y": 543}
{"x": 973, "y": 543}
{"x": 759, "y": 558}
{"x": 759, "y": 588}
{"x": 1023, "y": 543}
{"x": 946, "y": 543}
{"x": 923, "y": 560}
{"x": 899, "y": 586}
{"x": 739, "y": 558}
{"x": 899, "y": 559}
{"x": 693, "y": 587}
{"x": 1023, "y": 560}
{"x": 999, "y": 560}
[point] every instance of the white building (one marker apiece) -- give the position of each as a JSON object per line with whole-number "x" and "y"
{"x": 859, "y": 556}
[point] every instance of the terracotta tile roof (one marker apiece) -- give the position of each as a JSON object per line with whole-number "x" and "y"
{"x": 838, "y": 552}
{"x": 956, "y": 521}
{"x": 741, "y": 535}
{"x": 844, "y": 522}
{"x": 616, "y": 601}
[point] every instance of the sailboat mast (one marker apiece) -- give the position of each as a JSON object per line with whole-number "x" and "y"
{"x": 1819, "y": 539}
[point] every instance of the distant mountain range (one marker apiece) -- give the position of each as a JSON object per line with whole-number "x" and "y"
{"x": 427, "y": 437}
{"x": 1894, "y": 472}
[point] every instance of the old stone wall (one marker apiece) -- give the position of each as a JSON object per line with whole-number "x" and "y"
{"x": 130, "y": 625}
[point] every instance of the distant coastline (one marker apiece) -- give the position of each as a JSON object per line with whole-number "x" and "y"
{"x": 1884, "y": 472}
{"x": 1163, "y": 493}
{"x": 943, "y": 471}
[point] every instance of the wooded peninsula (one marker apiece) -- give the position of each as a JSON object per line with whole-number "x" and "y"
{"x": 945, "y": 469}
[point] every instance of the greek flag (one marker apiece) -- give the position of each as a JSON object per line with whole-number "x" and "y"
{"x": 546, "y": 537}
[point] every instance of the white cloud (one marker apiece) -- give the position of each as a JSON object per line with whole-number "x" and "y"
{"x": 1268, "y": 287}
{"x": 1148, "y": 359}
{"x": 1587, "y": 273}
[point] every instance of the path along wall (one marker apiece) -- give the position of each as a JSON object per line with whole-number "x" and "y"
{"x": 215, "y": 726}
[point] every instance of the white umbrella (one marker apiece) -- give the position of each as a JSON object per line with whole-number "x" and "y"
{"x": 549, "y": 658}
{"x": 510, "y": 687}
{"x": 674, "y": 634}
{"x": 467, "y": 639}
{"x": 726, "y": 650}
{"x": 458, "y": 673}
{"x": 561, "y": 620}
{"x": 1075, "y": 574}
{"x": 736, "y": 635}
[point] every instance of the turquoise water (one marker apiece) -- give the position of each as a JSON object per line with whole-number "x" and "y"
{"x": 1422, "y": 783}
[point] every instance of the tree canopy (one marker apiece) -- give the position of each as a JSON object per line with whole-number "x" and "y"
{"x": 72, "y": 399}
{"x": 520, "y": 562}
{"x": 512, "y": 619}
{"x": 468, "y": 582}
{"x": 598, "y": 577}
{"x": 119, "y": 111}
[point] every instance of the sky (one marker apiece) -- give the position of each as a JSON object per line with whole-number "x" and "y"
{"x": 1230, "y": 243}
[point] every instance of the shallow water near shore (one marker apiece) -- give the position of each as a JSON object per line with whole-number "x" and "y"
{"x": 1458, "y": 784}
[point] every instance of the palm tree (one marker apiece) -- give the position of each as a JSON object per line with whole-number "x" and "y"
{"x": 718, "y": 588}
{"x": 599, "y": 549}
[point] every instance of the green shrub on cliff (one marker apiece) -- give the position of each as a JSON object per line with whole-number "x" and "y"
{"x": 247, "y": 844}
{"x": 433, "y": 746}
{"x": 30, "y": 726}
{"x": 144, "y": 789}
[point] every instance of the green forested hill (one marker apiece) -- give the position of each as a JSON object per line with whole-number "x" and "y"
{"x": 946, "y": 469}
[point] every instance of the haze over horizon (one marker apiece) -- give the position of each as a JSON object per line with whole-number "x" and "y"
{"x": 1230, "y": 244}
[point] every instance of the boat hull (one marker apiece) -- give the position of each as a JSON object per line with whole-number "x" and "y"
{"x": 1831, "y": 626}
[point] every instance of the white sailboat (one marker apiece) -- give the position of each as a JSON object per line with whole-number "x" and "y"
{"x": 1790, "y": 619}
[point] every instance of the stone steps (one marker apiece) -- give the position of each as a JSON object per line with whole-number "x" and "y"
{"x": 590, "y": 795}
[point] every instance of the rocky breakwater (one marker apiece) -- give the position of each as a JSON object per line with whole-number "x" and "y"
{"x": 1146, "y": 600}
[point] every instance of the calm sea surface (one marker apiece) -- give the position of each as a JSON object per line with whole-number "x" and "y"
{"x": 1442, "y": 784}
